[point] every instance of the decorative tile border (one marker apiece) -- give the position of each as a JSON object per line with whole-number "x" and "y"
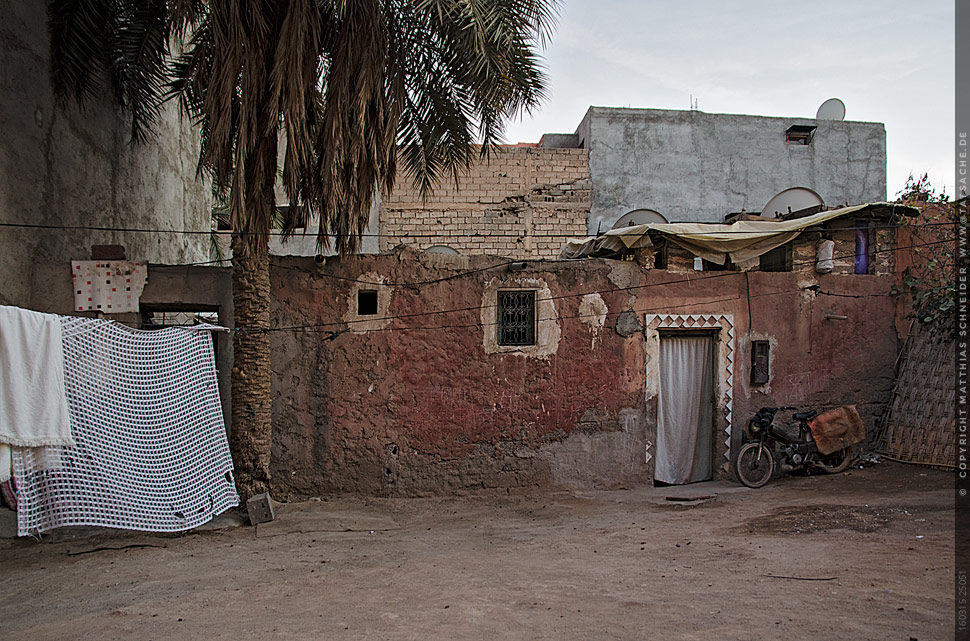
{"x": 724, "y": 322}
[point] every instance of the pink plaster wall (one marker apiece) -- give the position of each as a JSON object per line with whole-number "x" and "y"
{"x": 420, "y": 407}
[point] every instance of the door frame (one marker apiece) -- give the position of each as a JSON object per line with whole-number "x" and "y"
{"x": 724, "y": 354}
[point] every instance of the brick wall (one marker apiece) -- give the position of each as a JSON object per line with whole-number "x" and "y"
{"x": 520, "y": 203}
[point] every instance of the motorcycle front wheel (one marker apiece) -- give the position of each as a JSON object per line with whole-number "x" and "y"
{"x": 754, "y": 464}
{"x": 836, "y": 461}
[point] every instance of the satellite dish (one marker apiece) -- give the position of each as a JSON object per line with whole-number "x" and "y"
{"x": 639, "y": 217}
{"x": 792, "y": 200}
{"x": 831, "y": 109}
{"x": 442, "y": 249}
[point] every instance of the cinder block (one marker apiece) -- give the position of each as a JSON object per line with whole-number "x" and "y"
{"x": 260, "y": 509}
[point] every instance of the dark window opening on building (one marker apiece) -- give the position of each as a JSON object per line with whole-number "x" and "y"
{"x": 660, "y": 256}
{"x": 778, "y": 259}
{"x": 728, "y": 266}
{"x": 366, "y": 302}
{"x": 800, "y": 135}
{"x": 863, "y": 248}
{"x": 516, "y": 318}
{"x": 162, "y": 316}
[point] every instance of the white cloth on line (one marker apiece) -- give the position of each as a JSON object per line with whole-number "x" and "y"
{"x": 33, "y": 404}
{"x": 151, "y": 451}
{"x": 6, "y": 462}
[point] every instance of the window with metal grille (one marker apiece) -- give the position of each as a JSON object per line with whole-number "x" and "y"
{"x": 160, "y": 317}
{"x": 516, "y": 318}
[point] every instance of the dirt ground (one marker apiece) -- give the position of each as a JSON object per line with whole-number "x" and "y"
{"x": 863, "y": 555}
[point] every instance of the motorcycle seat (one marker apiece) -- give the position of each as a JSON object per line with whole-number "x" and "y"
{"x": 805, "y": 416}
{"x": 782, "y": 435}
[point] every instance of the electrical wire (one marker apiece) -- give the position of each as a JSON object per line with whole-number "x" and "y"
{"x": 400, "y": 236}
{"x": 559, "y": 297}
{"x": 483, "y": 269}
{"x": 415, "y": 283}
{"x": 190, "y": 232}
{"x": 523, "y": 260}
{"x": 199, "y": 264}
{"x": 321, "y": 326}
{"x": 638, "y": 311}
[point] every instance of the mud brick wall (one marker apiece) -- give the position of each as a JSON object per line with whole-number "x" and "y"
{"x": 804, "y": 251}
{"x": 518, "y": 203}
{"x": 926, "y": 241}
{"x": 418, "y": 400}
{"x": 881, "y": 240}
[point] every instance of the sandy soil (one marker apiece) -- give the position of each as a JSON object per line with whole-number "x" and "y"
{"x": 872, "y": 551}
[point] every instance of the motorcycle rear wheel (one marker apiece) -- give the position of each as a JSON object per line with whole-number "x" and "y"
{"x": 754, "y": 465}
{"x": 836, "y": 461}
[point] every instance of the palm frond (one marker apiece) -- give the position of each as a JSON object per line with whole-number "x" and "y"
{"x": 349, "y": 87}
{"x": 471, "y": 64}
{"x": 81, "y": 36}
{"x": 140, "y": 63}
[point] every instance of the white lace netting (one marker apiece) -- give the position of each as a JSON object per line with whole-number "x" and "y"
{"x": 151, "y": 452}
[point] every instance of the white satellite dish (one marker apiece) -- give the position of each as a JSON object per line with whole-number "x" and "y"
{"x": 831, "y": 109}
{"x": 442, "y": 249}
{"x": 792, "y": 200}
{"x": 639, "y": 217}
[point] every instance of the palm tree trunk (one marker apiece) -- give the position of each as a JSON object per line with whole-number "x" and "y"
{"x": 251, "y": 438}
{"x": 251, "y": 435}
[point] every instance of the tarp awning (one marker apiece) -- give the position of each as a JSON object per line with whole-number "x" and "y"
{"x": 715, "y": 242}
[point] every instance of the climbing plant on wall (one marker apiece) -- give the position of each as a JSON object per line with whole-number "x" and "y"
{"x": 932, "y": 235}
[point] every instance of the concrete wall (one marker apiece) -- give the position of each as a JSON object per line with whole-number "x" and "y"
{"x": 67, "y": 166}
{"x": 305, "y": 244}
{"x": 417, "y": 401}
{"x": 519, "y": 203}
{"x": 197, "y": 288}
{"x": 699, "y": 167}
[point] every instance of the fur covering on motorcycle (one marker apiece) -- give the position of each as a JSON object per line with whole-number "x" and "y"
{"x": 837, "y": 429}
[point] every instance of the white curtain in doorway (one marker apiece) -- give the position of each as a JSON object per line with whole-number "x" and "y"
{"x": 684, "y": 419}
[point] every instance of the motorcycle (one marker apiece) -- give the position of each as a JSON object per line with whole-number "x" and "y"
{"x": 766, "y": 443}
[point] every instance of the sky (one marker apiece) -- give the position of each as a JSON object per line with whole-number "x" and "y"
{"x": 888, "y": 61}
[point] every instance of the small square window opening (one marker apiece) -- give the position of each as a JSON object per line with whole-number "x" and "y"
{"x": 516, "y": 318}
{"x": 800, "y": 135}
{"x": 778, "y": 259}
{"x": 660, "y": 256}
{"x": 727, "y": 266}
{"x": 366, "y": 302}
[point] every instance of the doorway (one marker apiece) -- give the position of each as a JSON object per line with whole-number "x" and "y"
{"x": 685, "y": 415}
